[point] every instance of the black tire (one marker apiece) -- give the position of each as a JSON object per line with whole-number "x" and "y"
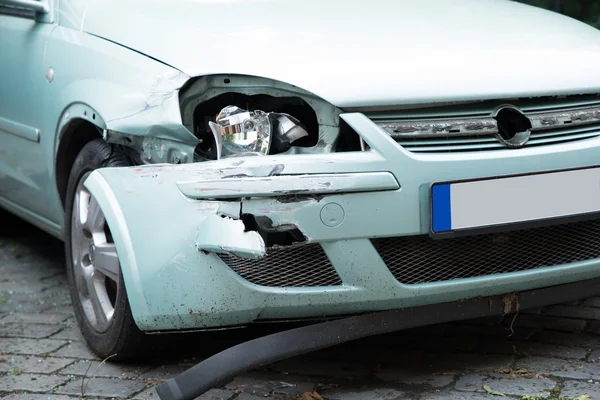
{"x": 122, "y": 340}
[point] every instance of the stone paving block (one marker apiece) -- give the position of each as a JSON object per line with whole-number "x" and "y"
{"x": 148, "y": 394}
{"x": 445, "y": 343}
{"x": 106, "y": 370}
{"x": 30, "y": 302}
{"x": 552, "y": 350}
{"x": 245, "y": 396}
{"x": 308, "y": 367}
{"x": 218, "y": 394}
{"x": 14, "y": 307}
{"x": 164, "y": 372}
{"x": 414, "y": 377}
{"x": 594, "y": 356}
{"x": 34, "y": 331}
{"x": 464, "y": 330}
{"x": 594, "y": 326}
{"x": 572, "y": 312}
{"x": 403, "y": 353}
{"x": 66, "y": 309}
{"x": 367, "y": 393}
{"x": 29, "y": 346}
{"x": 533, "y": 349}
{"x": 24, "y": 286}
{"x": 531, "y": 311}
{"x": 445, "y": 362}
{"x": 36, "y": 318}
{"x": 560, "y": 368}
{"x": 574, "y": 389}
{"x": 266, "y": 383}
{"x": 33, "y": 364}
{"x": 103, "y": 387}
{"x": 70, "y": 333}
{"x": 551, "y": 323}
{"x": 592, "y": 302}
{"x": 568, "y": 339}
{"x": 505, "y": 384}
{"x": 456, "y": 395}
{"x": 30, "y": 382}
{"x": 76, "y": 350}
{"x": 35, "y": 396}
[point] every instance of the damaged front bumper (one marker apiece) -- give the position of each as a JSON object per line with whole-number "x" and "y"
{"x": 180, "y": 228}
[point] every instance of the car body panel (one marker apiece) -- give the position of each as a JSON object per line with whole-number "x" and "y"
{"x": 404, "y": 51}
{"x": 108, "y": 86}
{"x": 177, "y": 286}
{"x": 120, "y": 67}
{"x": 23, "y": 113}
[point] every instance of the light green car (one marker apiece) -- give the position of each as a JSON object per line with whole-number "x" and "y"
{"x": 213, "y": 163}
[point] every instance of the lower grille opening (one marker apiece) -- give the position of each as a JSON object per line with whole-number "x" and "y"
{"x": 303, "y": 265}
{"x": 420, "y": 259}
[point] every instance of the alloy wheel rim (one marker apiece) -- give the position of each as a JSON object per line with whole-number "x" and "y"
{"x": 96, "y": 264}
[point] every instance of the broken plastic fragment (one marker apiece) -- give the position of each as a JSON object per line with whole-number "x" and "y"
{"x": 240, "y": 132}
{"x": 228, "y": 236}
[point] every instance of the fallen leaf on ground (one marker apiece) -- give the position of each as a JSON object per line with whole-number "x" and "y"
{"x": 494, "y": 392}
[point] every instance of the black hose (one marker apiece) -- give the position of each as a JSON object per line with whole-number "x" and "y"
{"x": 222, "y": 367}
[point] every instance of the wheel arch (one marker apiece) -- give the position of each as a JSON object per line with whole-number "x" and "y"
{"x": 79, "y": 124}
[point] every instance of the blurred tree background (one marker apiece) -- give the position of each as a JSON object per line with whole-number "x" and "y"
{"x": 584, "y": 10}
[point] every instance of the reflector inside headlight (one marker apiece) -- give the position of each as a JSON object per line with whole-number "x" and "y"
{"x": 240, "y": 132}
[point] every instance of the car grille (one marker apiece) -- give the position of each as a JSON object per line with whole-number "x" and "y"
{"x": 453, "y": 140}
{"x": 290, "y": 266}
{"x": 420, "y": 259}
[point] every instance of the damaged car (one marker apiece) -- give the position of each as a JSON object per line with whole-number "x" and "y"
{"x": 210, "y": 164}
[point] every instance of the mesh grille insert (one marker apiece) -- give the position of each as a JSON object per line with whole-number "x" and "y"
{"x": 420, "y": 259}
{"x": 292, "y": 266}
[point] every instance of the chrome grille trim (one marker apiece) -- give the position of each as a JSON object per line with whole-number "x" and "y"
{"x": 485, "y": 126}
{"x": 420, "y": 259}
{"x": 302, "y": 265}
{"x": 460, "y": 129}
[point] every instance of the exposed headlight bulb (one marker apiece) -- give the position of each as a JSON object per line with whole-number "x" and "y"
{"x": 240, "y": 132}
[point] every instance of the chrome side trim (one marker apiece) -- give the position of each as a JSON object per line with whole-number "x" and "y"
{"x": 286, "y": 185}
{"x": 20, "y": 130}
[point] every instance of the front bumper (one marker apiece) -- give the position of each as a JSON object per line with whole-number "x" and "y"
{"x": 379, "y": 193}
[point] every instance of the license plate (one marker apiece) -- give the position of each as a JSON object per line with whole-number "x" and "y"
{"x": 503, "y": 202}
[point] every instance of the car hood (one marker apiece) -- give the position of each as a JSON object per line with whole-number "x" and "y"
{"x": 364, "y": 53}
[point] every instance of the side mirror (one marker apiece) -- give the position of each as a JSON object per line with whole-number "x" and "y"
{"x": 43, "y": 8}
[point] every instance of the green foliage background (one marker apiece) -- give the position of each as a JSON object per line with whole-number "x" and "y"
{"x": 584, "y": 10}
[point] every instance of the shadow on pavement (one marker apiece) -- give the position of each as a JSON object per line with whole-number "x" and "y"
{"x": 555, "y": 349}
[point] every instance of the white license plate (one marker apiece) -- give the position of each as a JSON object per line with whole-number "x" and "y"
{"x": 518, "y": 199}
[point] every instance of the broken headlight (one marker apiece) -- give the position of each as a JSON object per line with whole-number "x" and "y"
{"x": 239, "y": 132}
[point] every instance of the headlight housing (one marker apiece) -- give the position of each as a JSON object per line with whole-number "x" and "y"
{"x": 239, "y": 132}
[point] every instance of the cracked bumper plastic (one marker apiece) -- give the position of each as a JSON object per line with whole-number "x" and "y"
{"x": 161, "y": 216}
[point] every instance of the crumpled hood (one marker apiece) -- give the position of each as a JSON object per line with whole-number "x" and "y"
{"x": 364, "y": 53}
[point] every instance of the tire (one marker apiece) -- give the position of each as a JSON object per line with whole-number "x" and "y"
{"x": 96, "y": 283}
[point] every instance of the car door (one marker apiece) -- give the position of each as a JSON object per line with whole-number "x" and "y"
{"x": 24, "y": 173}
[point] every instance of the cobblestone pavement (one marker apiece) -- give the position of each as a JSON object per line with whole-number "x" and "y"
{"x": 550, "y": 352}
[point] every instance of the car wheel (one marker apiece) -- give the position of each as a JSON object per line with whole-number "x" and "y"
{"x": 96, "y": 283}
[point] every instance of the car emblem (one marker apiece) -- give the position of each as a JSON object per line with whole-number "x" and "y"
{"x": 514, "y": 128}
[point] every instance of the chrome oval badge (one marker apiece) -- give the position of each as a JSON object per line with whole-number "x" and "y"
{"x": 514, "y": 128}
